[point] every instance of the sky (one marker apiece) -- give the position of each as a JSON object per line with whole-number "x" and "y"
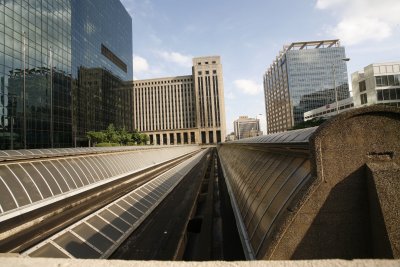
{"x": 248, "y": 35}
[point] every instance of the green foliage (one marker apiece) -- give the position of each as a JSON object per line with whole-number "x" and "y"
{"x": 144, "y": 138}
{"x": 131, "y": 144}
{"x": 310, "y": 123}
{"x": 112, "y": 137}
{"x": 96, "y": 137}
{"x": 125, "y": 137}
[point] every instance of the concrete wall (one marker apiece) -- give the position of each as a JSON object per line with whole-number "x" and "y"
{"x": 341, "y": 206}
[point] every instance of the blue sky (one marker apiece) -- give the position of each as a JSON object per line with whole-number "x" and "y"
{"x": 248, "y": 35}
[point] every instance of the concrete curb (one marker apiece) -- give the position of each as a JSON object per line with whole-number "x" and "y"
{"x": 10, "y": 260}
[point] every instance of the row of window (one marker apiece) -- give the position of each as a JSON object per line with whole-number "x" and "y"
{"x": 329, "y": 111}
{"x": 206, "y": 72}
{"x": 163, "y": 82}
{"x": 173, "y": 109}
{"x": 387, "y": 80}
{"x": 199, "y": 63}
{"x": 388, "y": 94}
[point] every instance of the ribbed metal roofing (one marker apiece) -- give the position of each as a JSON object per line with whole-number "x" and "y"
{"x": 29, "y": 184}
{"x": 295, "y": 136}
{"x": 99, "y": 234}
{"x": 54, "y": 152}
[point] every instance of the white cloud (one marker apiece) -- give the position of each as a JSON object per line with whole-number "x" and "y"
{"x": 358, "y": 30}
{"x": 140, "y": 64}
{"x": 229, "y": 95}
{"x": 248, "y": 87}
{"x": 362, "y": 20}
{"x": 177, "y": 58}
{"x": 323, "y": 4}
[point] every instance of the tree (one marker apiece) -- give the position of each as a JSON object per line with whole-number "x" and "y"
{"x": 96, "y": 137}
{"x": 136, "y": 137}
{"x": 125, "y": 136}
{"x": 144, "y": 138}
{"x": 112, "y": 135}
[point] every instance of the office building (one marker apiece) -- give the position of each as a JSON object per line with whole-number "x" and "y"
{"x": 377, "y": 83}
{"x": 330, "y": 109}
{"x": 230, "y": 137}
{"x": 304, "y": 76}
{"x": 63, "y": 65}
{"x": 246, "y": 127}
{"x": 182, "y": 110}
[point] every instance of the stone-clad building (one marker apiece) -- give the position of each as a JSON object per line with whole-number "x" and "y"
{"x": 185, "y": 109}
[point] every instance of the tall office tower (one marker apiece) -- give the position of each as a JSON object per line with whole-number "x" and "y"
{"x": 185, "y": 109}
{"x": 63, "y": 64}
{"x": 246, "y": 127}
{"x": 304, "y": 76}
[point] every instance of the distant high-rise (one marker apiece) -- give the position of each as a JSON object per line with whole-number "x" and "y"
{"x": 62, "y": 70}
{"x": 184, "y": 109}
{"x": 246, "y": 127}
{"x": 301, "y": 78}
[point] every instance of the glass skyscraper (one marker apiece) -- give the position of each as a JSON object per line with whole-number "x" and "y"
{"x": 303, "y": 77}
{"x": 63, "y": 64}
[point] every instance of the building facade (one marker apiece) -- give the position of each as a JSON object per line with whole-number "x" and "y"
{"x": 377, "y": 83}
{"x": 246, "y": 127}
{"x": 304, "y": 76}
{"x": 182, "y": 110}
{"x": 330, "y": 109}
{"x": 50, "y": 54}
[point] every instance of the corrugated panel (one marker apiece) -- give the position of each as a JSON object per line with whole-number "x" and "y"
{"x": 298, "y": 136}
{"x": 39, "y": 153}
{"x": 43, "y": 181}
{"x": 100, "y": 233}
{"x": 262, "y": 182}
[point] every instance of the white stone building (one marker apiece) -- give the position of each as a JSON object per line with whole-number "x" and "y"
{"x": 185, "y": 109}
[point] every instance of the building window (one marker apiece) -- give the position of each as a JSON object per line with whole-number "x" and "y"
{"x": 363, "y": 99}
{"x": 214, "y": 72}
{"x": 199, "y": 73}
{"x": 362, "y": 87}
{"x": 388, "y": 94}
{"x": 379, "y": 95}
{"x": 387, "y": 80}
{"x": 207, "y": 72}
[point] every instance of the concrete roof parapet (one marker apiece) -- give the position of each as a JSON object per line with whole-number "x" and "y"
{"x": 51, "y": 262}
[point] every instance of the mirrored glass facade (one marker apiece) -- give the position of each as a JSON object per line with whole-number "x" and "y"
{"x": 303, "y": 77}
{"x": 45, "y": 47}
{"x": 101, "y": 64}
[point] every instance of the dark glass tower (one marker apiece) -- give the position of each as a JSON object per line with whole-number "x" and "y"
{"x": 63, "y": 64}
{"x": 101, "y": 63}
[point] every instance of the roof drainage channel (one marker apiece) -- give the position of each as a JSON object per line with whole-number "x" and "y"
{"x": 99, "y": 234}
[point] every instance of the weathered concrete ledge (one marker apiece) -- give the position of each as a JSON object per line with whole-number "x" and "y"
{"x": 50, "y": 262}
{"x": 319, "y": 193}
